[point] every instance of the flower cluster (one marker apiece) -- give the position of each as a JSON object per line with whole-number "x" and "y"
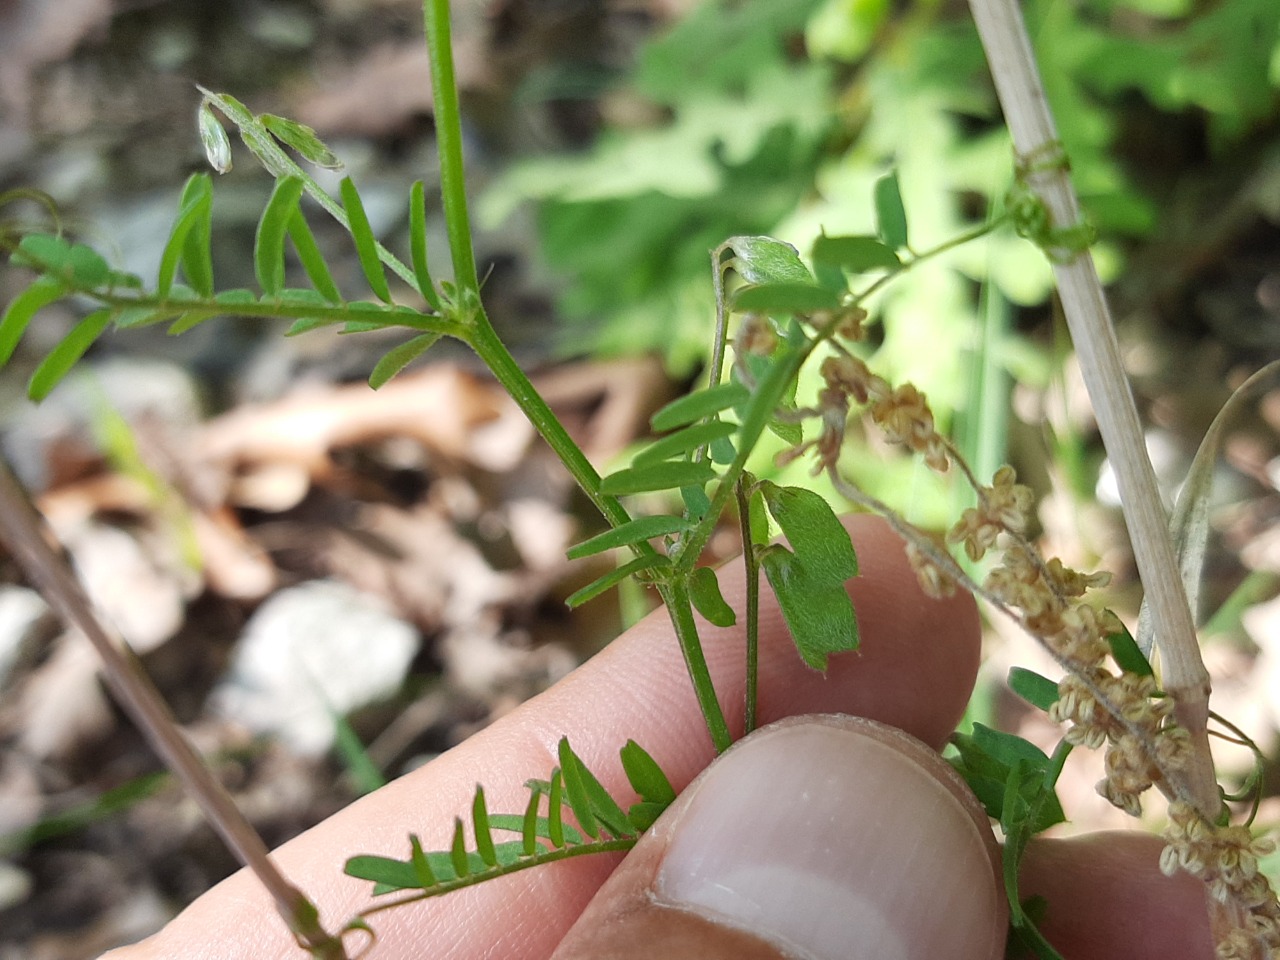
{"x": 1103, "y": 704}
{"x": 1226, "y": 859}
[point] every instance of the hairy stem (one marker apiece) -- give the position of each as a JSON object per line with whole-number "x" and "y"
{"x": 1035, "y": 138}
{"x": 21, "y": 531}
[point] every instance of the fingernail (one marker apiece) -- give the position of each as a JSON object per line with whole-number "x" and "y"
{"x": 834, "y": 841}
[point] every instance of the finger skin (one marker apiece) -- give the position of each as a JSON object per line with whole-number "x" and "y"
{"x": 915, "y": 670}
{"x": 1106, "y": 899}
{"x": 628, "y": 919}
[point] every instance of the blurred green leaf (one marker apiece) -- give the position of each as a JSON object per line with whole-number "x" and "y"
{"x": 891, "y": 216}
{"x": 785, "y": 298}
{"x": 855, "y": 254}
{"x": 764, "y": 260}
{"x": 400, "y": 357}
{"x": 699, "y": 404}
{"x": 268, "y": 244}
{"x": 13, "y": 323}
{"x": 64, "y": 356}
{"x": 1037, "y": 690}
{"x": 301, "y": 138}
{"x": 657, "y": 476}
{"x": 366, "y": 243}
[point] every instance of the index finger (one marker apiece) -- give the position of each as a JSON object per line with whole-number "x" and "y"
{"x": 914, "y": 670}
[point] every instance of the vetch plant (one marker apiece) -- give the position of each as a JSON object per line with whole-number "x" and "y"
{"x": 776, "y": 314}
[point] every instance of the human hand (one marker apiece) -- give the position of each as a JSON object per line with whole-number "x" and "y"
{"x": 826, "y": 838}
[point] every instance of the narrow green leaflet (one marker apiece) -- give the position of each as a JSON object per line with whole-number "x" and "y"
{"x": 785, "y": 297}
{"x": 613, "y": 578}
{"x": 301, "y": 138}
{"x": 458, "y": 850}
{"x": 64, "y": 356}
{"x": 683, "y": 442}
{"x": 817, "y": 536}
{"x": 1037, "y": 690}
{"x": 418, "y": 244}
{"x": 766, "y": 260}
{"x": 818, "y": 612}
{"x": 480, "y": 824}
{"x": 268, "y": 243}
{"x": 191, "y": 214}
{"x": 556, "y": 827}
{"x": 1127, "y": 655}
{"x": 645, "y": 776}
{"x": 699, "y": 404}
{"x": 658, "y": 476}
{"x": 636, "y": 531}
{"x": 366, "y": 243}
{"x": 400, "y": 357}
{"x": 312, "y": 259}
{"x": 13, "y": 324}
{"x": 422, "y": 871}
{"x": 197, "y": 253}
{"x": 576, "y": 791}
{"x": 529, "y": 825}
{"x": 586, "y": 794}
{"x": 891, "y": 216}
{"x": 648, "y": 780}
{"x": 855, "y": 254}
{"x": 704, "y": 591}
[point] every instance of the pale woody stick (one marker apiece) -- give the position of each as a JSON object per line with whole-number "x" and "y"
{"x": 1035, "y": 140}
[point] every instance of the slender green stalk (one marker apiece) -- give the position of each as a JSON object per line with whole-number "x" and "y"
{"x": 453, "y": 185}
{"x": 676, "y": 596}
{"x": 752, "y": 625}
{"x": 498, "y": 359}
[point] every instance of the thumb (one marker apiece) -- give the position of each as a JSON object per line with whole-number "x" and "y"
{"x": 822, "y": 838}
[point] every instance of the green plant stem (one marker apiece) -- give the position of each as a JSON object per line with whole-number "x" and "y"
{"x": 675, "y": 594}
{"x": 20, "y": 530}
{"x": 752, "y": 565}
{"x": 498, "y": 359}
{"x": 453, "y": 186}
